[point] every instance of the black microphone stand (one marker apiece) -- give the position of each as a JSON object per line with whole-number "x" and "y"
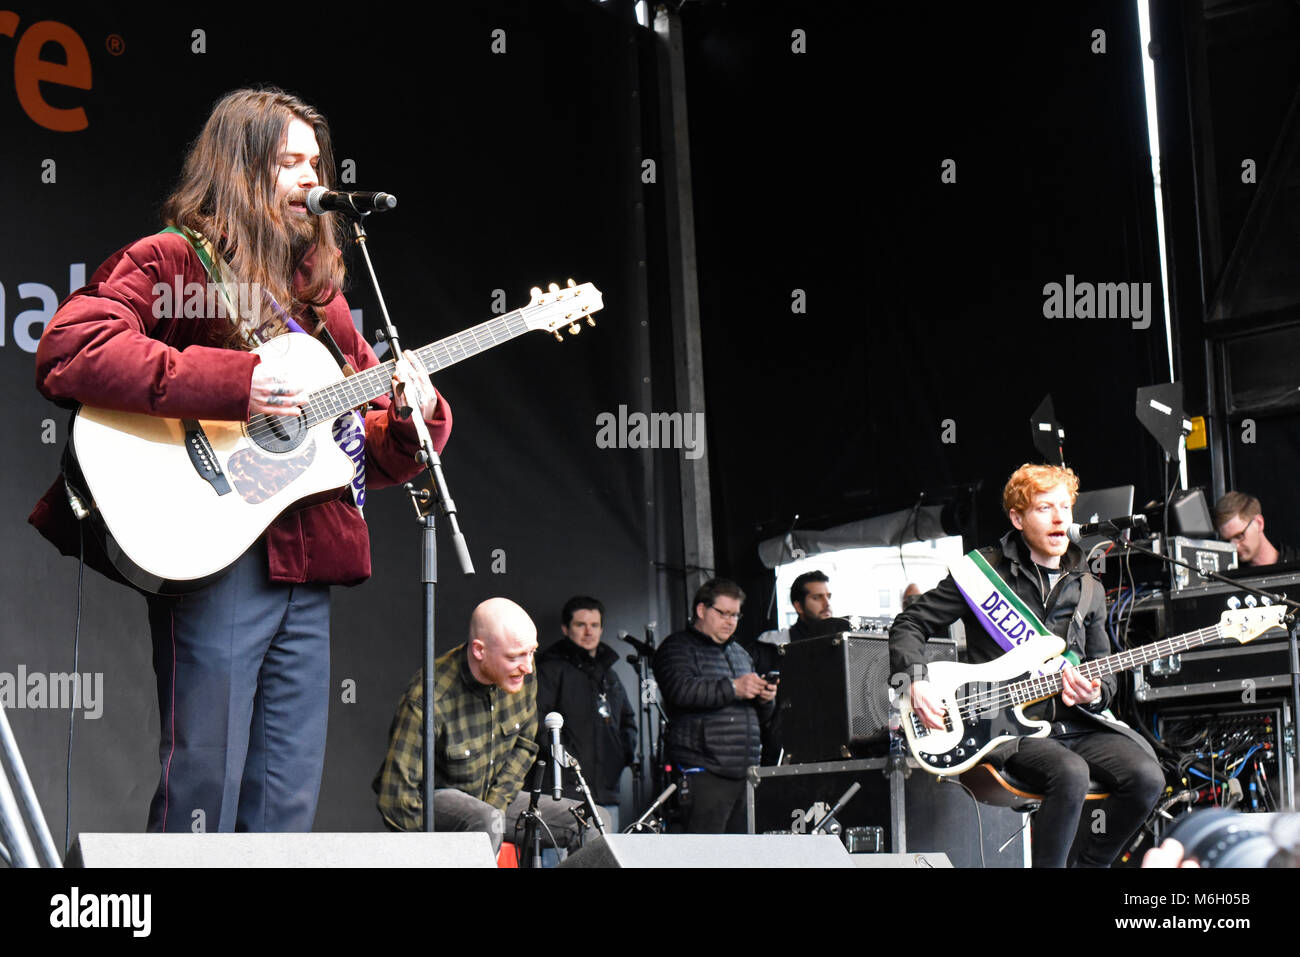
{"x": 565, "y": 759}
{"x": 1292, "y": 623}
{"x": 644, "y": 652}
{"x": 532, "y": 837}
{"x": 424, "y": 510}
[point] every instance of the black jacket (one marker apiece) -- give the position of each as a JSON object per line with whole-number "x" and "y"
{"x": 934, "y": 611}
{"x": 709, "y": 726}
{"x": 571, "y": 681}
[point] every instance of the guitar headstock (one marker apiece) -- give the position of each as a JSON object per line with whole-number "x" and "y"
{"x": 1247, "y": 624}
{"x": 562, "y": 306}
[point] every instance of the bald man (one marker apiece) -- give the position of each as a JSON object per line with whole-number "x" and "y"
{"x": 485, "y": 727}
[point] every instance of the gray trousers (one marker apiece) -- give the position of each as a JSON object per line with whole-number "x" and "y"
{"x": 242, "y": 668}
{"x": 456, "y": 811}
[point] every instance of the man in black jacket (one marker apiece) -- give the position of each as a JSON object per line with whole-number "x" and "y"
{"x": 575, "y": 676}
{"x": 716, "y": 708}
{"x": 1045, "y": 572}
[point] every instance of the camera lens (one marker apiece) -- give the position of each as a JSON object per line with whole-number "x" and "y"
{"x": 1219, "y": 838}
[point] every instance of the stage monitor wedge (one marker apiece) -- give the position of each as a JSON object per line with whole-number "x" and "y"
{"x": 711, "y": 850}
{"x": 360, "y": 849}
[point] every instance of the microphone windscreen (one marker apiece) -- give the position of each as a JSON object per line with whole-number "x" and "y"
{"x": 313, "y": 200}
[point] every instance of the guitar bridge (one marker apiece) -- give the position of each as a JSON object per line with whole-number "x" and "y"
{"x": 203, "y": 457}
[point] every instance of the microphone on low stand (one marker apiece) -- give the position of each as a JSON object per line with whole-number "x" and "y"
{"x": 659, "y": 801}
{"x": 554, "y": 722}
{"x": 839, "y": 805}
{"x": 321, "y": 200}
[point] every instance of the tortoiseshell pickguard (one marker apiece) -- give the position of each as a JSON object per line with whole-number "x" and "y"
{"x": 257, "y": 476}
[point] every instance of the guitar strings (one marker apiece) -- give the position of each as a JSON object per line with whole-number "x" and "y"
{"x": 970, "y": 706}
{"x": 338, "y": 397}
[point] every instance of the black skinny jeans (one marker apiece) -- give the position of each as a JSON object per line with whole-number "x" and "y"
{"x": 1060, "y": 766}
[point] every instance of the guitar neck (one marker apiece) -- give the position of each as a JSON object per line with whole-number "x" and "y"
{"x": 332, "y": 401}
{"x": 1044, "y": 686}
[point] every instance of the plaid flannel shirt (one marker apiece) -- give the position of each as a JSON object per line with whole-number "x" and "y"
{"x": 484, "y": 741}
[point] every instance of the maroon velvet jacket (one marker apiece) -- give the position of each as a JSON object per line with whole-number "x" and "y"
{"x": 104, "y": 347}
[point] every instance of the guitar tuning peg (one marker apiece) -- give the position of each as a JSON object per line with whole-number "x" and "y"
{"x": 591, "y": 321}
{"x": 554, "y": 288}
{"x": 558, "y": 337}
{"x": 572, "y": 283}
{"x": 535, "y": 292}
{"x": 1251, "y": 601}
{"x": 1234, "y": 603}
{"x": 574, "y": 329}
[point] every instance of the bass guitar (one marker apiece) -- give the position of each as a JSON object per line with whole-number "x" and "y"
{"x": 985, "y": 703}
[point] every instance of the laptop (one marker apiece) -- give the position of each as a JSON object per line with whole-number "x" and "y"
{"x": 1102, "y": 505}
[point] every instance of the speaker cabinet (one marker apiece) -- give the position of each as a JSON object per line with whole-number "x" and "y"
{"x": 834, "y": 695}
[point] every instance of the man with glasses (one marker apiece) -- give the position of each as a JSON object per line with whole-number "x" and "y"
{"x": 1240, "y": 520}
{"x": 717, "y": 707}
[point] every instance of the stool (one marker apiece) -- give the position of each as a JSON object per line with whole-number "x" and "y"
{"x": 1000, "y": 788}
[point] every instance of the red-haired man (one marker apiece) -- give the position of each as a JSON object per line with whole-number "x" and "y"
{"x": 1039, "y": 570}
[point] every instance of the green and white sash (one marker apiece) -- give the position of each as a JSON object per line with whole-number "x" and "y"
{"x": 999, "y": 610}
{"x": 1010, "y": 622}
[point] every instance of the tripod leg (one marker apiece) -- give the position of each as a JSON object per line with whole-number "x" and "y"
{"x": 10, "y": 817}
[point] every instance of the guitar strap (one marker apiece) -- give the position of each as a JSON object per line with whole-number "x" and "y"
{"x": 1074, "y": 637}
{"x": 252, "y": 328}
{"x": 349, "y": 429}
{"x": 1010, "y": 622}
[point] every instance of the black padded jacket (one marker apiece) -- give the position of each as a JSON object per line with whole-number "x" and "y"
{"x": 709, "y": 726}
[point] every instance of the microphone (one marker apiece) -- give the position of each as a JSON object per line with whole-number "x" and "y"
{"x": 1079, "y": 532}
{"x": 845, "y": 798}
{"x": 321, "y": 200}
{"x": 641, "y": 647}
{"x": 554, "y": 722}
{"x": 667, "y": 793}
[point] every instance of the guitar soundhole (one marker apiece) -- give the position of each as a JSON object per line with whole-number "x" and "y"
{"x": 278, "y": 433}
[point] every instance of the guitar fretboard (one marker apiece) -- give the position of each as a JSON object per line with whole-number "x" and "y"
{"x": 332, "y": 401}
{"x": 1044, "y": 686}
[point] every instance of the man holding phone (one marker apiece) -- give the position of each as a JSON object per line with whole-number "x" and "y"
{"x": 717, "y": 707}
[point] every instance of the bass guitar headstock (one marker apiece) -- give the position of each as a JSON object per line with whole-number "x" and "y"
{"x": 1247, "y": 624}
